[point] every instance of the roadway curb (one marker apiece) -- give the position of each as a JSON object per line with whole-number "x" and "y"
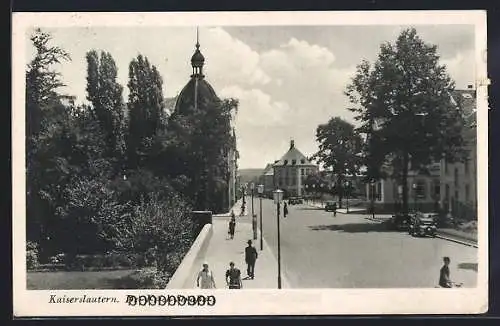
{"x": 465, "y": 243}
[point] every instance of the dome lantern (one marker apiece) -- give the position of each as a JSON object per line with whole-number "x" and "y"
{"x": 197, "y": 60}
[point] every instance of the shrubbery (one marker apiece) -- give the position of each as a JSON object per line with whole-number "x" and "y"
{"x": 32, "y": 259}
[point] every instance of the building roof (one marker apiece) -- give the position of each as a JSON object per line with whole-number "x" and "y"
{"x": 293, "y": 157}
{"x": 465, "y": 100}
{"x": 268, "y": 170}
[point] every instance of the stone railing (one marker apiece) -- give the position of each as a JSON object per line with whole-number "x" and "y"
{"x": 185, "y": 273}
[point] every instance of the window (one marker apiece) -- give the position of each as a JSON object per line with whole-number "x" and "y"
{"x": 437, "y": 190}
{"x": 302, "y": 161}
{"x": 379, "y": 191}
{"x": 467, "y": 192}
{"x": 420, "y": 189}
{"x": 466, "y": 166}
{"x": 294, "y": 162}
{"x": 285, "y": 162}
{"x": 302, "y": 172}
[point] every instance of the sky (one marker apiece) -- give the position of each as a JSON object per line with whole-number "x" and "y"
{"x": 288, "y": 79}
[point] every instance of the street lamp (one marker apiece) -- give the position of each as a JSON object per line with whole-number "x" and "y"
{"x": 278, "y": 197}
{"x": 254, "y": 217}
{"x": 414, "y": 186}
{"x": 347, "y": 185}
{"x": 372, "y": 186}
{"x": 260, "y": 189}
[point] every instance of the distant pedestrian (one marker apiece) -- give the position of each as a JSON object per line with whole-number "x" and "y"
{"x": 206, "y": 277}
{"x": 285, "y": 209}
{"x": 250, "y": 258}
{"x": 232, "y": 226}
{"x": 233, "y": 277}
{"x": 334, "y": 209}
{"x": 232, "y": 214}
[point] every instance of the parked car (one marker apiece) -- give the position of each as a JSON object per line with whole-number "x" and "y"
{"x": 295, "y": 201}
{"x": 423, "y": 225}
{"x": 330, "y": 206}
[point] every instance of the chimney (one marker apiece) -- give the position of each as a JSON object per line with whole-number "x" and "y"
{"x": 292, "y": 144}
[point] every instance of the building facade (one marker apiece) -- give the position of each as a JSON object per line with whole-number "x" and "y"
{"x": 458, "y": 194}
{"x": 290, "y": 171}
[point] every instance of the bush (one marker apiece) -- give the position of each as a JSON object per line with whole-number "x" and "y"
{"x": 160, "y": 228}
{"x": 32, "y": 255}
{"x": 143, "y": 279}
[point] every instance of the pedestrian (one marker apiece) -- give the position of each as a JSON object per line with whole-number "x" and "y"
{"x": 232, "y": 214}
{"x": 232, "y": 226}
{"x": 250, "y": 258}
{"x": 233, "y": 277}
{"x": 334, "y": 209}
{"x": 207, "y": 278}
{"x": 444, "y": 274}
{"x": 285, "y": 209}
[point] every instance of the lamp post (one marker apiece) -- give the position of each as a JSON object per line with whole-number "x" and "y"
{"x": 347, "y": 185}
{"x": 414, "y": 186}
{"x": 278, "y": 197}
{"x": 254, "y": 217}
{"x": 260, "y": 190}
{"x": 372, "y": 186}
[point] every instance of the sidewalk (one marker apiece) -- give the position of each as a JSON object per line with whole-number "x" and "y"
{"x": 236, "y": 209}
{"x": 222, "y": 250}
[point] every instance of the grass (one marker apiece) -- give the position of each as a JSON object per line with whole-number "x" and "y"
{"x": 102, "y": 280}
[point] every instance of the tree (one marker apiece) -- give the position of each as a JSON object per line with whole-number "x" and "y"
{"x": 404, "y": 106}
{"x": 105, "y": 94}
{"x": 145, "y": 107}
{"x": 339, "y": 150}
{"x": 204, "y": 138}
{"x": 41, "y": 80}
{"x": 45, "y": 123}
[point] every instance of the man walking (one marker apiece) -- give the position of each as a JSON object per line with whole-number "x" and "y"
{"x": 232, "y": 226}
{"x": 250, "y": 258}
{"x": 207, "y": 278}
{"x": 233, "y": 277}
{"x": 285, "y": 209}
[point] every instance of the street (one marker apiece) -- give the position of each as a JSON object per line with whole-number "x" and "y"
{"x": 350, "y": 251}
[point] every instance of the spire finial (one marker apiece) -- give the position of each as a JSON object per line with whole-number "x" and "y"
{"x": 197, "y": 38}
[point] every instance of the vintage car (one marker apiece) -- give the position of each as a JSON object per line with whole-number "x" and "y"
{"x": 422, "y": 225}
{"x": 295, "y": 201}
{"x": 330, "y": 206}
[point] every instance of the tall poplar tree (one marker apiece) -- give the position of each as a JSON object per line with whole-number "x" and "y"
{"x": 105, "y": 94}
{"x": 146, "y": 110}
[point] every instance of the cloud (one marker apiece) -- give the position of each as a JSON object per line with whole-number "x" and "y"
{"x": 461, "y": 68}
{"x": 230, "y": 61}
{"x": 256, "y": 108}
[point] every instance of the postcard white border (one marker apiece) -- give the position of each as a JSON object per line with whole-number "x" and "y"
{"x": 251, "y": 302}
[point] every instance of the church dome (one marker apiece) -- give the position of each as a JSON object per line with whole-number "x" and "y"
{"x": 198, "y": 89}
